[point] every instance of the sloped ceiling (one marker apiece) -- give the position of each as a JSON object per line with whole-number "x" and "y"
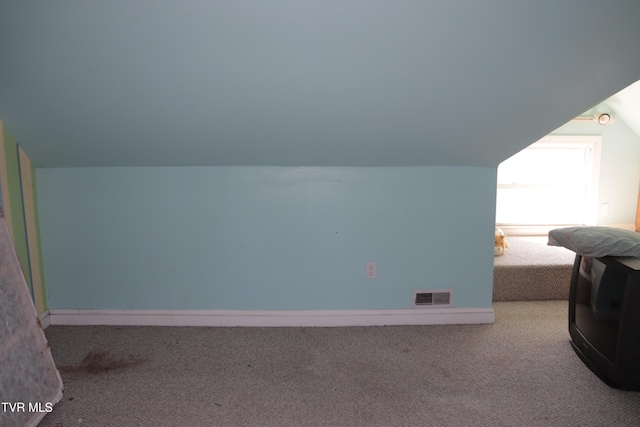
{"x": 626, "y": 106}
{"x": 305, "y": 83}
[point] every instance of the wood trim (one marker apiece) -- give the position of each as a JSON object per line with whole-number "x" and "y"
{"x": 638, "y": 215}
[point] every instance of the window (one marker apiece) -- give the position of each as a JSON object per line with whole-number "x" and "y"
{"x": 552, "y": 182}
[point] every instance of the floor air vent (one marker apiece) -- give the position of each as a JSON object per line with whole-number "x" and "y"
{"x": 435, "y": 298}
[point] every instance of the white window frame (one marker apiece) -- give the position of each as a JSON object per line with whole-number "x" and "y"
{"x": 590, "y": 142}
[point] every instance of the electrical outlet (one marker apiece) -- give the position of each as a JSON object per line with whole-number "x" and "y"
{"x": 371, "y": 270}
{"x": 604, "y": 208}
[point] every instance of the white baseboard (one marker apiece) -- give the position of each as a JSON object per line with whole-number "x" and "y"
{"x": 45, "y": 320}
{"x": 273, "y": 318}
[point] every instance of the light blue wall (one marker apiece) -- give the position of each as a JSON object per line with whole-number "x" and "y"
{"x": 272, "y": 238}
{"x": 304, "y": 82}
{"x": 619, "y": 167}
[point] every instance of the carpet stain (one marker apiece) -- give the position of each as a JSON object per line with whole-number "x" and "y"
{"x": 97, "y": 362}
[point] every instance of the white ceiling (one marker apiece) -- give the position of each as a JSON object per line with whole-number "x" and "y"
{"x": 306, "y": 83}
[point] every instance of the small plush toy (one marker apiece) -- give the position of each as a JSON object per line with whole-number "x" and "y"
{"x": 500, "y": 243}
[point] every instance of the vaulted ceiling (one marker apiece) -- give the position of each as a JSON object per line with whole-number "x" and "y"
{"x": 305, "y": 83}
{"x": 626, "y": 105}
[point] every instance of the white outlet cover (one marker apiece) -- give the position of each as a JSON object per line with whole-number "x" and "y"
{"x": 371, "y": 270}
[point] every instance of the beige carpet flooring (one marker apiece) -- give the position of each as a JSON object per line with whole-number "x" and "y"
{"x": 530, "y": 270}
{"x": 533, "y": 250}
{"x": 520, "y": 371}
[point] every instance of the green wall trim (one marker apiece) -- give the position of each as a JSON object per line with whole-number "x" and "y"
{"x": 16, "y": 205}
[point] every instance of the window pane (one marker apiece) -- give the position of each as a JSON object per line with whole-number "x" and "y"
{"x": 544, "y": 166}
{"x": 548, "y": 183}
{"x": 541, "y": 205}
